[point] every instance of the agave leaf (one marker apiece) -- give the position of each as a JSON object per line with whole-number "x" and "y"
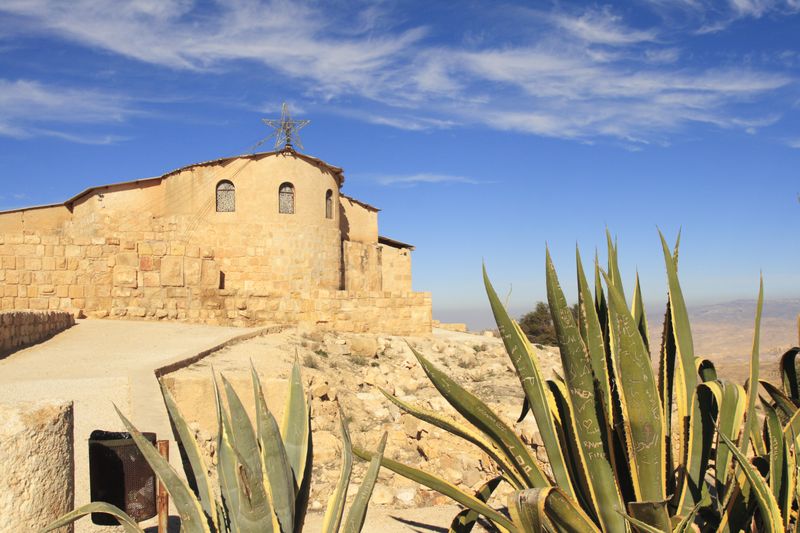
{"x": 127, "y": 523}
{"x": 482, "y": 417}
{"x": 243, "y": 437}
{"x": 789, "y": 374}
{"x": 304, "y": 491}
{"x": 526, "y": 408}
{"x": 685, "y": 523}
{"x": 684, "y": 381}
{"x": 335, "y": 510}
{"x": 255, "y": 509}
{"x": 294, "y": 426}
{"x": 227, "y": 464}
{"x": 791, "y": 486}
{"x": 768, "y": 506}
{"x": 191, "y": 448}
{"x": 777, "y": 460}
{"x": 785, "y": 406}
{"x": 738, "y": 506}
{"x": 548, "y": 509}
{"x": 463, "y": 431}
{"x": 613, "y": 264}
{"x": 751, "y": 419}
{"x": 642, "y": 412}
{"x": 587, "y": 414}
{"x": 358, "y": 510}
{"x": 730, "y": 401}
{"x": 700, "y": 440}
{"x": 655, "y": 514}
{"x": 274, "y": 461}
{"x": 592, "y": 333}
{"x": 639, "y": 315}
{"x": 705, "y": 369}
{"x": 442, "y": 487}
{"x": 193, "y": 520}
{"x": 666, "y": 390}
{"x": 642, "y": 526}
{"x": 466, "y": 519}
{"x": 600, "y": 299}
{"x": 527, "y": 365}
{"x": 570, "y": 444}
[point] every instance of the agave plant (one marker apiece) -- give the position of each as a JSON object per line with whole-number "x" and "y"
{"x": 629, "y": 448}
{"x": 264, "y": 472}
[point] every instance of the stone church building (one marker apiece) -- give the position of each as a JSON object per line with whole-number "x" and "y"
{"x": 254, "y": 239}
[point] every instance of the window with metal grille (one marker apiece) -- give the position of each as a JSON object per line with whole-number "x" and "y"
{"x": 286, "y": 198}
{"x": 226, "y": 197}
{"x": 329, "y": 204}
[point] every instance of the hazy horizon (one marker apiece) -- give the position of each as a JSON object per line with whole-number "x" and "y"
{"x": 740, "y": 311}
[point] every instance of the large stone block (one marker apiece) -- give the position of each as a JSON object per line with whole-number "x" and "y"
{"x": 172, "y": 271}
{"x": 125, "y": 276}
{"x": 192, "y": 271}
{"x": 36, "y": 464}
{"x": 128, "y": 260}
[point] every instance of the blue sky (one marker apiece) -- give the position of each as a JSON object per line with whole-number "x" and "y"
{"x": 483, "y": 129}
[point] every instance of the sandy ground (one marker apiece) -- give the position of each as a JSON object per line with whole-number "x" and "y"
{"x": 101, "y": 363}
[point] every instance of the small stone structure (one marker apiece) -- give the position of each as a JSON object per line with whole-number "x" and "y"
{"x": 246, "y": 240}
{"x": 19, "y": 329}
{"x": 36, "y": 464}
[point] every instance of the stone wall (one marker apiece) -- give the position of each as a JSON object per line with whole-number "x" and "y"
{"x": 23, "y": 328}
{"x": 161, "y": 279}
{"x": 36, "y": 464}
{"x": 346, "y": 311}
{"x": 395, "y": 269}
{"x": 158, "y": 249}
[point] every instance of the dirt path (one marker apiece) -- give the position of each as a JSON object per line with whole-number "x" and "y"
{"x": 101, "y": 363}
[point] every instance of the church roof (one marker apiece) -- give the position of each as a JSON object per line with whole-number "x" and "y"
{"x": 359, "y": 202}
{"x": 393, "y": 243}
{"x": 336, "y": 171}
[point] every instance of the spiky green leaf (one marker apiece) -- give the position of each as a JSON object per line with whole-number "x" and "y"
{"x": 442, "y": 487}
{"x": 482, "y": 417}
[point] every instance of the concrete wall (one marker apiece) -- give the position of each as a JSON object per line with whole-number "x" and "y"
{"x": 23, "y": 328}
{"x": 36, "y": 464}
{"x": 159, "y": 249}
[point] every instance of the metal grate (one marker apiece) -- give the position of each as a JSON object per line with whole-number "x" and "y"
{"x": 226, "y": 197}
{"x": 120, "y": 475}
{"x": 286, "y": 198}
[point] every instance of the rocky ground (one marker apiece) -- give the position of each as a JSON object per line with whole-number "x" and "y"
{"x": 350, "y": 370}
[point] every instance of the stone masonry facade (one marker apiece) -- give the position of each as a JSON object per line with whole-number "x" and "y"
{"x": 158, "y": 249}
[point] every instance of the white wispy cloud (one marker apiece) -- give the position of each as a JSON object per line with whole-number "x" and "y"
{"x": 793, "y": 143}
{"x": 416, "y": 179}
{"x": 577, "y": 75}
{"x": 602, "y": 26}
{"x": 29, "y": 108}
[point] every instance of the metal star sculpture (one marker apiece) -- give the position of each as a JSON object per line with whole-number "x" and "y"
{"x": 286, "y": 130}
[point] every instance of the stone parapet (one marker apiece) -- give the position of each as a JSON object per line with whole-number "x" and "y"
{"x": 19, "y": 329}
{"x": 406, "y": 313}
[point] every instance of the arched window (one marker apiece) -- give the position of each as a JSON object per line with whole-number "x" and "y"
{"x": 329, "y": 204}
{"x": 286, "y": 198}
{"x": 226, "y": 197}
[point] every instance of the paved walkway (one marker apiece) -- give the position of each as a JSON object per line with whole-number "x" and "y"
{"x": 101, "y": 363}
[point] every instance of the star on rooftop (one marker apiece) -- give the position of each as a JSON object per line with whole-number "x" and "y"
{"x": 286, "y": 130}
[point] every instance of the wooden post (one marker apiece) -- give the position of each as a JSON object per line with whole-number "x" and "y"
{"x": 162, "y": 497}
